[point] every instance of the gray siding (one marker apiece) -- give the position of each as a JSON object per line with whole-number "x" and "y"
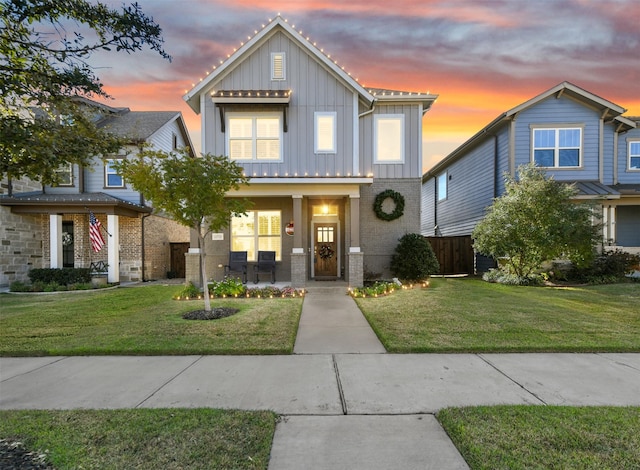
{"x": 561, "y": 111}
{"x": 469, "y": 191}
{"x": 427, "y": 218}
{"x": 626, "y": 176}
{"x": 314, "y": 89}
{"x": 412, "y": 166}
{"x": 503, "y": 159}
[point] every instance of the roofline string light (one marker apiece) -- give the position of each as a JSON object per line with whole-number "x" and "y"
{"x": 328, "y": 56}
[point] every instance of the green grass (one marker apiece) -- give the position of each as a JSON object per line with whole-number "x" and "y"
{"x": 142, "y": 321}
{"x": 541, "y": 437}
{"x": 470, "y": 315}
{"x": 145, "y": 438}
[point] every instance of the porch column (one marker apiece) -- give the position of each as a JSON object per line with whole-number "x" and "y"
{"x": 113, "y": 248}
{"x": 356, "y": 257}
{"x": 298, "y": 255}
{"x": 354, "y": 209}
{"x": 55, "y": 241}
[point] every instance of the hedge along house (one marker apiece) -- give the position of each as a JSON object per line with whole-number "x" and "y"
{"x": 576, "y": 136}
{"x": 48, "y": 227}
{"x": 318, "y": 148}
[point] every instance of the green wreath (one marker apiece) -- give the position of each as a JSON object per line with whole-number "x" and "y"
{"x": 326, "y": 252}
{"x": 398, "y": 199}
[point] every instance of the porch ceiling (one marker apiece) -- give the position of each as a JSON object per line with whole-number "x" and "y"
{"x": 272, "y": 187}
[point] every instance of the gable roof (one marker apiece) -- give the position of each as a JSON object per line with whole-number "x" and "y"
{"x": 277, "y": 24}
{"x": 608, "y": 110}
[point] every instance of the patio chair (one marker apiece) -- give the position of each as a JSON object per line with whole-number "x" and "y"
{"x": 266, "y": 264}
{"x": 237, "y": 264}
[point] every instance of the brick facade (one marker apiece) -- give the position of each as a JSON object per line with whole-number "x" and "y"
{"x": 379, "y": 238}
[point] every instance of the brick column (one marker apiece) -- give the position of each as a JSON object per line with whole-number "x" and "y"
{"x": 192, "y": 267}
{"x": 356, "y": 269}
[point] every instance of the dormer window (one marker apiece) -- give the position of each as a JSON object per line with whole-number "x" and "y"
{"x": 278, "y": 64}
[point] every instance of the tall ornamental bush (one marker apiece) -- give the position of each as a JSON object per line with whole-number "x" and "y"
{"x": 414, "y": 259}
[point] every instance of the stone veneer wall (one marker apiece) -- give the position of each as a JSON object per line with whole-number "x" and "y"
{"x": 159, "y": 233}
{"x": 379, "y": 238}
{"x": 20, "y": 237}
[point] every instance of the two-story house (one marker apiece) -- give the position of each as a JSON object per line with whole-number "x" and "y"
{"x": 48, "y": 226}
{"x": 576, "y": 136}
{"x": 318, "y": 148}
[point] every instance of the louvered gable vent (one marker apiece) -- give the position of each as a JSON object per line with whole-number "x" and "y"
{"x": 277, "y": 66}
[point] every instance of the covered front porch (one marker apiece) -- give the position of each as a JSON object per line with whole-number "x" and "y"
{"x": 317, "y": 236}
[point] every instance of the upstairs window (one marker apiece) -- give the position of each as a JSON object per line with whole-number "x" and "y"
{"x": 325, "y": 125}
{"x": 389, "y": 138}
{"x": 278, "y": 66}
{"x": 111, "y": 178}
{"x": 634, "y": 155}
{"x": 257, "y": 231}
{"x": 254, "y": 137}
{"x": 64, "y": 175}
{"x": 557, "y": 148}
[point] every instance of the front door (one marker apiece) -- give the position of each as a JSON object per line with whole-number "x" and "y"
{"x": 178, "y": 250}
{"x": 325, "y": 251}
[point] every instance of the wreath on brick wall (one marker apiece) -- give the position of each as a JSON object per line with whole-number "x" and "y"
{"x": 398, "y": 200}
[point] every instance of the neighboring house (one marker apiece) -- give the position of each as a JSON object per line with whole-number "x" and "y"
{"x": 318, "y": 148}
{"x": 45, "y": 226}
{"x": 577, "y": 136}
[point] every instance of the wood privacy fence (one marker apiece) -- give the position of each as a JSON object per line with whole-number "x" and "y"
{"x": 455, "y": 254}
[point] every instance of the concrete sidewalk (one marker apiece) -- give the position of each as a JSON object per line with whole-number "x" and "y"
{"x": 340, "y": 407}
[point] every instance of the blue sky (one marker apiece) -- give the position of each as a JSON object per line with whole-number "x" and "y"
{"x": 482, "y": 57}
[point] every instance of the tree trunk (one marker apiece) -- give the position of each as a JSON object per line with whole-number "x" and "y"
{"x": 203, "y": 273}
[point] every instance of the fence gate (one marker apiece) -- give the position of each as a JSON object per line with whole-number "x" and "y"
{"x": 455, "y": 254}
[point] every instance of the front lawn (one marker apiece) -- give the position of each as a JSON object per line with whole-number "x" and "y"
{"x": 470, "y": 315}
{"x": 542, "y": 437}
{"x": 142, "y": 321}
{"x": 143, "y": 438}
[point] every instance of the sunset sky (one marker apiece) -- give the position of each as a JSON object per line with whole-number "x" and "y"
{"x": 482, "y": 57}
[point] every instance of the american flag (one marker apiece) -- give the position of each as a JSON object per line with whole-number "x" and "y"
{"x": 97, "y": 242}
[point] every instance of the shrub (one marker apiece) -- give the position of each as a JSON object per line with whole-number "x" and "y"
{"x": 501, "y": 276}
{"x": 414, "y": 259}
{"x": 64, "y": 276}
{"x": 188, "y": 292}
{"x": 18, "y": 286}
{"x": 608, "y": 267}
{"x": 228, "y": 287}
{"x": 380, "y": 288}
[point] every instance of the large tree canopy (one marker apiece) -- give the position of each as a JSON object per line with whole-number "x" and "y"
{"x": 536, "y": 220}
{"x": 191, "y": 190}
{"x": 44, "y": 65}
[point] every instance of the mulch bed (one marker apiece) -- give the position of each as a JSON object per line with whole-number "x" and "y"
{"x": 214, "y": 314}
{"x": 13, "y": 456}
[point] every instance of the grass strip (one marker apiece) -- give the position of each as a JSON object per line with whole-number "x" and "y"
{"x": 470, "y": 315}
{"x": 545, "y": 437}
{"x": 142, "y": 321}
{"x": 145, "y": 438}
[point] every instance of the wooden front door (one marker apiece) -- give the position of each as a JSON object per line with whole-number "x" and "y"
{"x": 178, "y": 250}
{"x": 325, "y": 251}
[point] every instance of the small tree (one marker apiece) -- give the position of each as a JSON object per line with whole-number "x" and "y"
{"x": 191, "y": 190}
{"x": 414, "y": 259}
{"x": 536, "y": 220}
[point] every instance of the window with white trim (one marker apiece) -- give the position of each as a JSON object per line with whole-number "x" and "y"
{"x": 634, "y": 155}
{"x": 325, "y": 135}
{"x": 257, "y": 231}
{"x": 64, "y": 175}
{"x": 111, "y": 178}
{"x": 389, "y": 138}
{"x": 557, "y": 147}
{"x": 442, "y": 186}
{"x": 254, "y": 137}
{"x": 278, "y": 64}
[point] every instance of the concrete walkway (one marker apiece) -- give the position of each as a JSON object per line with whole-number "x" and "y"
{"x": 339, "y": 410}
